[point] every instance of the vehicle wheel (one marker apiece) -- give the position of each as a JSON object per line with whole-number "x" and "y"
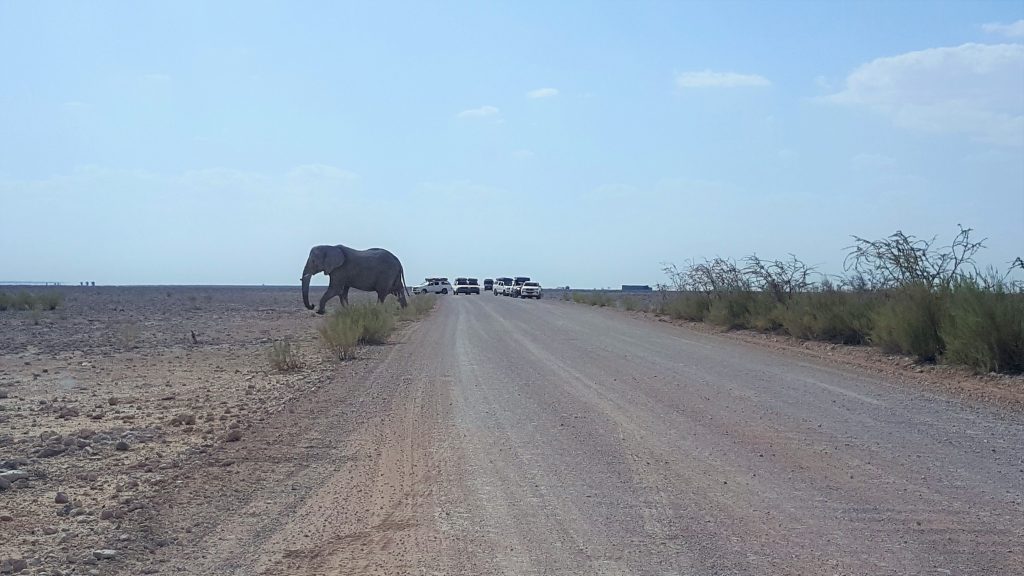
{"x": 444, "y": 290}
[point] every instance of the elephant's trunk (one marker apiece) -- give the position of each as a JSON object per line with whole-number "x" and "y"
{"x": 307, "y": 273}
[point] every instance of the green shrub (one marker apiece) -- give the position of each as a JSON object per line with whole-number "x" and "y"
{"x": 377, "y": 322}
{"x": 50, "y": 300}
{"x": 830, "y": 315}
{"x": 908, "y": 322}
{"x": 692, "y": 307}
{"x": 731, "y": 310}
{"x": 24, "y": 301}
{"x": 983, "y": 328}
{"x": 5, "y": 301}
{"x": 634, "y": 304}
{"x": 284, "y": 357}
{"x": 340, "y": 333}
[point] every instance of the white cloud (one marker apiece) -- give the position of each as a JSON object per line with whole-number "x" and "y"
{"x": 542, "y": 93}
{"x": 1014, "y": 30}
{"x": 973, "y": 89}
{"x": 709, "y": 79}
{"x": 481, "y": 112}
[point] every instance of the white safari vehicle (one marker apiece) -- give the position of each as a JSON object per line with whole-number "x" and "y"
{"x": 433, "y": 286}
{"x": 530, "y": 290}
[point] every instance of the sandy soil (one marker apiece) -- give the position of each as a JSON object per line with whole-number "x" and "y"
{"x": 497, "y": 436}
{"x": 105, "y": 401}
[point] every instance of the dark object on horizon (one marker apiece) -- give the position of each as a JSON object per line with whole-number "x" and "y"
{"x": 636, "y": 288}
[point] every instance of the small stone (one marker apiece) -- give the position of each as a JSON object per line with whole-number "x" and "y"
{"x": 233, "y": 436}
{"x": 121, "y": 446}
{"x": 61, "y": 498}
{"x": 105, "y": 554}
{"x": 106, "y": 514}
{"x": 4, "y": 483}
{"x": 6, "y": 518}
{"x": 113, "y": 401}
{"x": 49, "y": 530}
{"x": 50, "y": 452}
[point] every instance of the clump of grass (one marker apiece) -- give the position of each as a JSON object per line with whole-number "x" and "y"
{"x": 128, "y": 335}
{"x": 983, "y": 328}
{"x": 634, "y": 304}
{"x": 340, "y": 333}
{"x": 908, "y": 322}
{"x": 24, "y": 301}
{"x": 830, "y": 315}
{"x": 284, "y": 356}
{"x": 419, "y": 306}
{"x": 691, "y": 307}
{"x": 376, "y": 322}
{"x": 50, "y": 300}
{"x": 5, "y": 301}
{"x": 731, "y": 311}
{"x": 601, "y": 299}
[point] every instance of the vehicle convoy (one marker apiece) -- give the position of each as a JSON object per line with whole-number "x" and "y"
{"x": 517, "y": 285}
{"x": 530, "y": 290}
{"x": 467, "y": 286}
{"x": 433, "y": 286}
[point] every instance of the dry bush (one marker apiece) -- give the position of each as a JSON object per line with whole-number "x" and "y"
{"x": 283, "y": 356}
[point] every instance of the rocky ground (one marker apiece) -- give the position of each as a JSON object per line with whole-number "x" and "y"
{"x": 104, "y": 400}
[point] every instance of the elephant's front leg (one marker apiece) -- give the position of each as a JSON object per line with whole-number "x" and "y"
{"x": 331, "y": 292}
{"x": 344, "y": 296}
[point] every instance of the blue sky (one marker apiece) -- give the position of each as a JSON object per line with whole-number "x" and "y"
{"x": 577, "y": 143}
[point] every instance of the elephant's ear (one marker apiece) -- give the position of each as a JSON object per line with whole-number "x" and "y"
{"x": 334, "y": 257}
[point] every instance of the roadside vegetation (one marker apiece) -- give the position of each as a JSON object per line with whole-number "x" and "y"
{"x": 346, "y": 328}
{"x": 901, "y": 293}
{"x": 25, "y": 300}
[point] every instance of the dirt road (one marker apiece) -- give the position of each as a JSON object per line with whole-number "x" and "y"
{"x": 514, "y": 437}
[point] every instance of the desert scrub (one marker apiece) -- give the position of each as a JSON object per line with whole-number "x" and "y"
{"x": 593, "y": 298}
{"x": 829, "y": 315}
{"x": 984, "y": 328}
{"x": 284, "y": 356}
{"x": 50, "y": 300}
{"x": 419, "y": 306}
{"x": 375, "y": 321}
{"x": 907, "y": 322}
{"x": 692, "y": 307}
{"x": 340, "y": 334}
{"x": 635, "y": 304}
{"x": 128, "y": 335}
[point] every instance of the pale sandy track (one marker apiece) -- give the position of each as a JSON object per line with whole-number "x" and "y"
{"x": 509, "y": 437}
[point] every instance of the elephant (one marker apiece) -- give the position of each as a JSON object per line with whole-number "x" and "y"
{"x": 373, "y": 270}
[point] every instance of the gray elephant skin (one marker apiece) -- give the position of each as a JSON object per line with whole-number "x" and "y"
{"x": 373, "y": 270}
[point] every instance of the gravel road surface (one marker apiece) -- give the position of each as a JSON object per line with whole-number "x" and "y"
{"x": 503, "y": 436}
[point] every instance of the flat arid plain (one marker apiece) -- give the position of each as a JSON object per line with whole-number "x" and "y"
{"x": 144, "y": 431}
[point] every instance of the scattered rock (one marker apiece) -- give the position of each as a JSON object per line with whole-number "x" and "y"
{"x": 49, "y": 530}
{"x": 233, "y": 436}
{"x": 4, "y": 483}
{"x": 14, "y": 475}
{"x": 105, "y": 554}
{"x": 113, "y": 401}
{"x": 106, "y": 514}
{"x": 68, "y": 412}
{"x": 61, "y": 498}
{"x": 50, "y": 452}
{"x": 121, "y": 446}
{"x": 6, "y": 518}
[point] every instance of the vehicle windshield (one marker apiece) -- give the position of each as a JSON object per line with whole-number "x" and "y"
{"x": 532, "y": 284}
